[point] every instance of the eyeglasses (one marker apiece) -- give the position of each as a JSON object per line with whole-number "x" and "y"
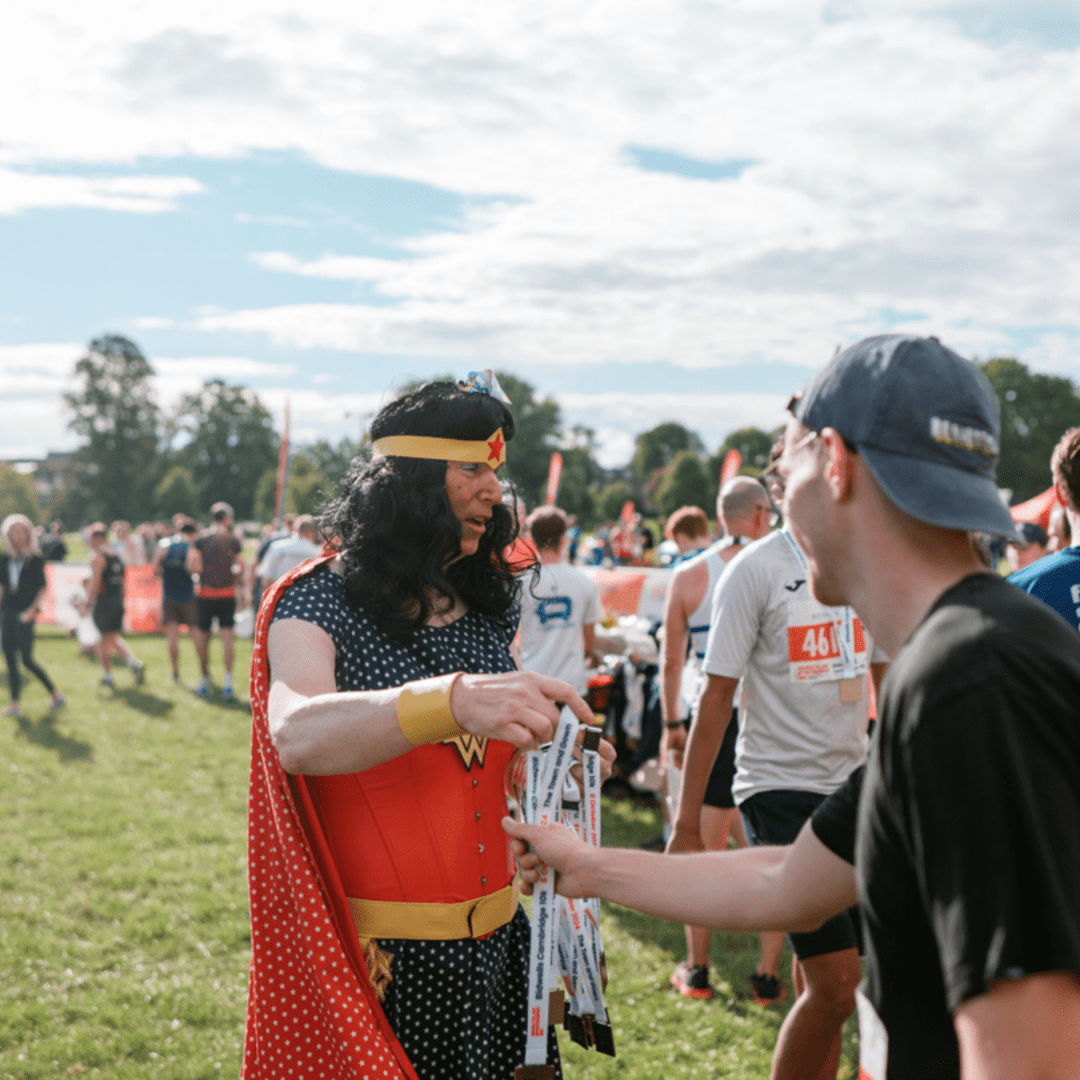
{"x": 774, "y": 482}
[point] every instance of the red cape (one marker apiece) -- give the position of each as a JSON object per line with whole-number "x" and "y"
{"x": 311, "y": 1011}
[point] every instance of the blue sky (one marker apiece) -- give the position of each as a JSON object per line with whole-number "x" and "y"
{"x": 679, "y": 225}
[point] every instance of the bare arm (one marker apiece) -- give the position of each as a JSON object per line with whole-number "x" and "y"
{"x": 796, "y": 887}
{"x": 1023, "y": 1029}
{"x": 588, "y": 638}
{"x": 685, "y": 586}
{"x": 320, "y": 732}
{"x": 193, "y": 562}
{"x": 702, "y": 746}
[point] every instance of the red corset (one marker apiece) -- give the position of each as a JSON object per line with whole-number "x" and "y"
{"x": 423, "y": 828}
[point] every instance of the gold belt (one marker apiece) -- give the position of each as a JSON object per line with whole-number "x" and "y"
{"x": 434, "y": 922}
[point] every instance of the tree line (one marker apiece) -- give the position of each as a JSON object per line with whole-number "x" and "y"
{"x": 138, "y": 462}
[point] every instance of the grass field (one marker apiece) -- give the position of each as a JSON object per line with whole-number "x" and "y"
{"x": 123, "y": 929}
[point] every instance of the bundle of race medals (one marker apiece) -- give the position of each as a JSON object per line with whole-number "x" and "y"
{"x": 565, "y": 940}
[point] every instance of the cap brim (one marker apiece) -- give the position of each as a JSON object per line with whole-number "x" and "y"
{"x": 941, "y": 495}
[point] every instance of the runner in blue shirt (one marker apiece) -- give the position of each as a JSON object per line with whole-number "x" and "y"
{"x": 1055, "y": 580}
{"x": 177, "y": 588}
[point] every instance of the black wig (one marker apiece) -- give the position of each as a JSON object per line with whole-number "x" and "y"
{"x": 398, "y": 536}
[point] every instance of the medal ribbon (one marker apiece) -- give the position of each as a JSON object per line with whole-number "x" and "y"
{"x": 843, "y": 624}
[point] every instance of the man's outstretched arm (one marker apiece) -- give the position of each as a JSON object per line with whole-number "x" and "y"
{"x": 796, "y": 887}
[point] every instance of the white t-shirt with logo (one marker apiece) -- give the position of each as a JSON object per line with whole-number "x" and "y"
{"x": 553, "y": 613}
{"x": 796, "y": 731}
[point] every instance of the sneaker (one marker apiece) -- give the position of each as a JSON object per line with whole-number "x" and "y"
{"x": 226, "y": 693}
{"x": 57, "y": 704}
{"x": 768, "y": 989}
{"x": 107, "y": 680}
{"x": 139, "y": 671}
{"x": 13, "y": 709}
{"x": 203, "y": 688}
{"x": 175, "y": 675}
{"x": 692, "y": 982}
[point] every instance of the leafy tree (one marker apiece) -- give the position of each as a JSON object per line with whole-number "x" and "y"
{"x": 655, "y": 449}
{"x": 754, "y": 446}
{"x": 112, "y": 407}
{"x": 684, "y": 483}
{"x": 333, "y": 461}
{"x": 305, "y": 492}
{"x": 308, "y": 489}
{"x": 579, "y": 477}
{"x": 18, "y": 493}
{"x": 176, "y": 494}
{"x": 613, "y": 498}
{"x": 536, "y": 429}
{"x": 262, "y": 507}
{"x": 1036, "y": 410}
{"x": 232, "y": 444}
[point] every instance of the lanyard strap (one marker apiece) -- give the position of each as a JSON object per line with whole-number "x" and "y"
{"x": 545, "y": 779}
{"x": 843, "y": 623}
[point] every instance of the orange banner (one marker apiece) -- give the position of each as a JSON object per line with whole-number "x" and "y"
{"x": 142, "y": 600}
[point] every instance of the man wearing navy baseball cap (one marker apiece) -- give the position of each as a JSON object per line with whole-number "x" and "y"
{"x": 962, "y": 837}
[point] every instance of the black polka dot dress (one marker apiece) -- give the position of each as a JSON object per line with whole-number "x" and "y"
{"x": 459, "y": 1008}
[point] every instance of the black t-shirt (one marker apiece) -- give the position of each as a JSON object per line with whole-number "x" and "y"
{"x": 967, "y": 845}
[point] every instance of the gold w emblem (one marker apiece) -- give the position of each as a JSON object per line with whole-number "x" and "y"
{"x": 470, "y": 747}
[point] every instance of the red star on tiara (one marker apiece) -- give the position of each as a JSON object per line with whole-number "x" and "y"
{"x": 496, "y": 447}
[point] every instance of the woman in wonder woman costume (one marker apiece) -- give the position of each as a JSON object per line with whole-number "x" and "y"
{"x": 387, "y": 939}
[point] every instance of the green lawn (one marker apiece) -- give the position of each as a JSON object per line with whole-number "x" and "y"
{"x": 123, "y": 931}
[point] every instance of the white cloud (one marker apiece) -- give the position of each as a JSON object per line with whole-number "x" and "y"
{"x": 27, "y": 190}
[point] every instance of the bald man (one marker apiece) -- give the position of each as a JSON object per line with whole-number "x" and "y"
{"x": 743, "y": 513}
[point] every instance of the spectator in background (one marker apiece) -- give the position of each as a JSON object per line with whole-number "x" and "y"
{"x": 1031, "y": 550}
{"x": 127, "y": 547}
{"x": 216, "y": 559}
{"x": 559, "y": 607}
{"x": 105, "y": 599}
{"x": 177, "y": 589}
{"x": 688, "y": 529}
{"x": 22, "y": 586}
{"x": 573, "y": 531}
{"x": 1056, "y": 579}
{"x": 53, "y": 548}
{"x": 289, "y": 551}
{"x": 743, "y": 513}
{"x": 146, "y": 535}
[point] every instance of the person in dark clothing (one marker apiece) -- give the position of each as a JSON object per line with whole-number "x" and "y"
{"x": 963, "y": 845}
{"x": 105, "y": 599}
{"x": 177, "y": 588}
{"x": 22, "y": 586}
{"x": 214, "y": 560}
{"x": 53, "y": 548}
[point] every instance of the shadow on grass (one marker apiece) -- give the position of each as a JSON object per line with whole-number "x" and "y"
{"x": 215, "y": 698}
{"x": 144, "y": 702}
{"x": 44, "y": 733}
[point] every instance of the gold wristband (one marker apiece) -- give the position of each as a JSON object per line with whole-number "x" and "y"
{"x": 424, "y": 716}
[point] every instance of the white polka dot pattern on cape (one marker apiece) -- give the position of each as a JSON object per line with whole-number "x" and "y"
{"x": 458, "y": 1007}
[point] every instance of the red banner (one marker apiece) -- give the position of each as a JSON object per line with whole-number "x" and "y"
{"x": 1036, "y": 510}
{"x": 142, "y": 600}
{"x": 730, "y": 468}
{"x": 554, "y": 478}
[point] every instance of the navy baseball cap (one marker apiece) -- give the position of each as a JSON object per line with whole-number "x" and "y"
{"x": 925, "y": 421}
